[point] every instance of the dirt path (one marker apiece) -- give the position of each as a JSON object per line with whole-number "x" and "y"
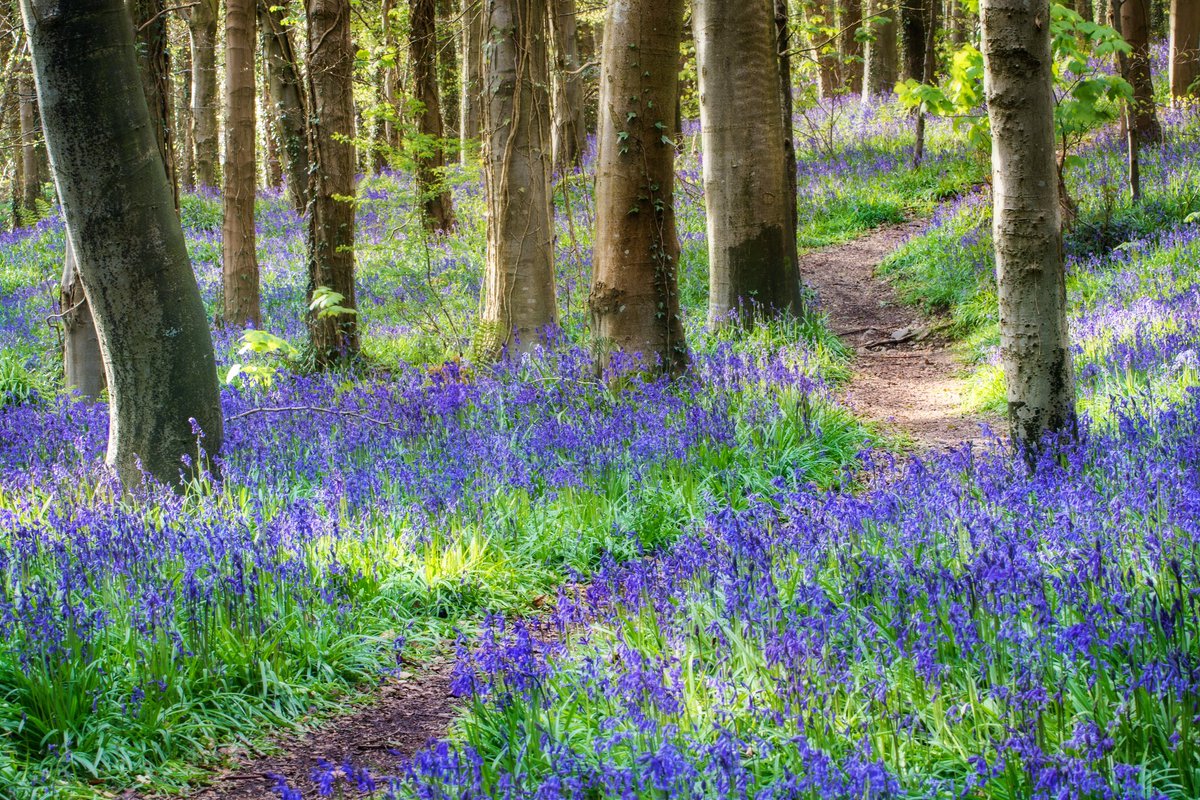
{"x": 906, "y": 375}
{"x": 399, "y": 720}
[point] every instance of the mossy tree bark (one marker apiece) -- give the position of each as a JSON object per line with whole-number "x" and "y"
{"x": 428, "y": 149}
{"x": 239, "y": 262}
{"x": 202, "y": 35}
{"x": 751, "y": 244}
{"x": 1027, "y": 220}
{"x": 334, "y": 336}
{"x": 286, "y": 89}
{"x": 519, "y": 302}
{"x": 634, "y": 298}
{"x": 1185, "y": 48}
{"x": 569, "y": 133}
{"x": 123, "y": 226}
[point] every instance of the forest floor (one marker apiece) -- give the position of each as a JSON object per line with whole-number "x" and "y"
{"x": 906, "y": 378}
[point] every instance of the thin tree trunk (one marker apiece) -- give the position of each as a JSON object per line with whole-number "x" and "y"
{"x": 1027, "y": 221}
{"x": 470, "y": 105}
{"x": 239, "y": 262}
{"x": 928, "y": 70}
{"x": 150, "y": 25}
{"x": 32, "y": 174}
{"x": 158, "y": 354}
{"x": 273, "y": 168}
{"x": 436, "y": 204}
{"x": 1185, "y": 48}
{"x": 1135, "y": 27}
{"x": 821, "y": 22}
{"x": 634, "y": 298}
{"x": 851, "y": 48}
{"x": 185, "y": 144}
{"x": 569, "y": 134}
{"x": 913, "y": 15}
{"x": 879, "y": 71}
{"x": 783, "y": 47}
{"x": 83, "y": 365}
{"x": 331, "y": 220}
{"x": 518, "y": 287}
{"x": 202, "y": 33}
{"x": 449, "y": 74}
{"x": 751, "y": 252}
{"x": 287, "y": 96}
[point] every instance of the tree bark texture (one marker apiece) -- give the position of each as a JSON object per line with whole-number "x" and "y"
{"x": 202, "y": 35}
{"x": 470, "y": 102}
{"x": 1135, "y": 27}
{"x": 185, "y": 145}
{"x": 569, "y": 133}
{"x": 334, "y": 337}
{"x": 239, "y": 261}
{"x": 289, "y": 103}
{"x": 123, "y": 226}
{"x": 1185, "y": 48}
{"x": 751, "y": 250}
{"x": 850, "y": 20}
{"x": 150, "y": 25}
{"x": 33, "y": 172}
{"x": 449, "y": 74}
{"x": 783, "y": 46}
{"x": 879, "y": 71}
{"x": 1027, "y": 222}
{"x": 519, "y": 302}
{"x": 634, "y": 298}
{"x": 428, "y": 150}
{"x": 83, "y": 363}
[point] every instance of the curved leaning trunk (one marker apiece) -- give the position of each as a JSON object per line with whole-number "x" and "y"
{"x": 634, "y": 298}
{"x": 519, "y": 301}
{"x": 753, "y": 264}
{"x": 1027, "y": 223}
{"x": 121, "y": 221}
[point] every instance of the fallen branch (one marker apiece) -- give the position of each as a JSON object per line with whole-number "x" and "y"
{"x": 317, "y": 409}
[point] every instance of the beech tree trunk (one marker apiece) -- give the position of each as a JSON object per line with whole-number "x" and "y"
{"x": 185, "y": 146}
{"x": 33, "y": 175}
{"x": 751, "y": 251}
{"x": 783, "y": 46}
{"x": 1135, "y": 27}
{"x": 518, "y": 286}
{"x": 821, "y": 21}
{"x": 470, "y": 105}
{"x": 1185, "y": 48}
{"x": 83, "y": 364}
{"x": 634, "y": 298}
{"x": 239, "y": 262}
{"x": 122, "y": 223}
{"x": 879, "y": 71}
{"x": 150, "y": 28}
{"x": 202, "y": 34}
{"x": 850, "y": 20}
{"x": 331, "y": 219}
{"x": 913, "y": 17}
{"x": 428, "y": 151}
{"x": 1027, "y": 222}
{"x": 286, "y": 88}
{"x": 569, "y": 133}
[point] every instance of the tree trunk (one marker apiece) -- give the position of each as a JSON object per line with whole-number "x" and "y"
{"x": 32, "y": 174}
{"x": 518, "y": 287}
{"x": 851, "y": 48}
{"x": 202, "y": 34}
{"x": 83, "y": 365}
{"x": 273, "y": 168}
{"x": 1084, "y": 9}
{"x": 428, "y": 151}
{"x": 470, "y": 104}
{"x": 634, "y": 299}
{"x": 927, "y": 70}
{"x": 1135, "y": 27}
{"x": 1185, "y": 48}
{"x": 123, "y": 226}
{"x": 783, "y": 46}
{"x": 239, "y": 262}
{"x": 879, "y": 71}
{"x": 913, "y": 15}
{"x": 287, "y": 96}
{"x": 751, "y": 252}
{"x": 449, "y": 75}
{"x": 150, "y": 27}
{"x": 185, "y": 144}
{"x": 1027, "y": 222}
{"x": 570, "y": 136}
{"x": 331, "y": 219}
{"x": 821, "y": 23}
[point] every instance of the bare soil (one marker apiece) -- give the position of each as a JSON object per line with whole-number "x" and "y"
{"x": 906, "y": 375}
